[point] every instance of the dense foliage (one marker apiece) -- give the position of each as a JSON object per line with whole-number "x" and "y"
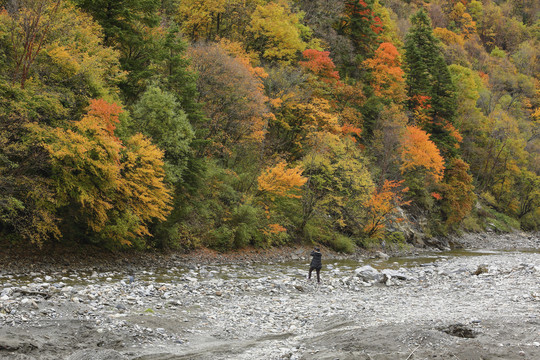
{"x": 229, "y": 123}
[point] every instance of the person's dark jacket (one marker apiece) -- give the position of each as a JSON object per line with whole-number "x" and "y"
{"x": 316, "y": 262}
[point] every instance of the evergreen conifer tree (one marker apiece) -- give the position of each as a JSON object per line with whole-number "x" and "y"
{"x": 429, "y": 84}
{"x": 362, "y": 26}
{"x": 126, "y": 26}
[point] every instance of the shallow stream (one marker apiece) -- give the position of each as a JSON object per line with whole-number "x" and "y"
{"x": 235, "y": 271}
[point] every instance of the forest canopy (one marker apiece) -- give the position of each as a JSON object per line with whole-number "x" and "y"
{"x": 228, "y": 123}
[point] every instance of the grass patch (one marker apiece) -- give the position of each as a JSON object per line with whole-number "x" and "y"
{"x": 500, "y": 222}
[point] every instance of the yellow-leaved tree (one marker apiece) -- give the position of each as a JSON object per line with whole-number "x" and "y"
{"x": 107, "y": 189}
{"x": 338, "y": 186}
{"x": 457, "y": 191}
{"x": 278, "y": 181}
{"x": 276, "y": 32}
{"x": 279, "y": 185}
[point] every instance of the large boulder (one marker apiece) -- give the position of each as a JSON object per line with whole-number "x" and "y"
{"x": 368, "y": 274}
{"x": 395, "y": 274}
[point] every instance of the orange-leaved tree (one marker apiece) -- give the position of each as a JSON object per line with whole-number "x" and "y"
{"x": 320, "y": 63}
{"x": 344, "y": 99}
{"x": 278, "y": 186}
{"x": 383, "y": 203}
{"x": 419, "y": 152}
{"x": 388, "y": 76}
{"x": 422, "y": 165}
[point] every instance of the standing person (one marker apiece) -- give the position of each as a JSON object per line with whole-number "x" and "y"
{"x": 316, "y": 263}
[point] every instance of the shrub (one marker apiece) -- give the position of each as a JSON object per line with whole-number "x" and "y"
{"x": 222, "y": 238}
{"x": 471, "y": 223}
{"x": 246, "y": 222}
{"x": 396, "y": 237}
{"x": 342, "y": 243}
{"x": 531, "y": 221}
{"x": 368, "y": 243}
{"x": 318, "y": 231}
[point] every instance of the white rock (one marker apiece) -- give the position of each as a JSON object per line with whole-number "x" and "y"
{"x": 368, "y": 273}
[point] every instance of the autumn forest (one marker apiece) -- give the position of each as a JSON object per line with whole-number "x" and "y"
{"x": 181, "y": 124}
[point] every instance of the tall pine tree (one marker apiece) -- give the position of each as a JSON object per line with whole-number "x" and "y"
{"x": 429, "y": 85}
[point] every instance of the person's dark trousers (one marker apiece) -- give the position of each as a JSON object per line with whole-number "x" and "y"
{"x": 318, "y": 270}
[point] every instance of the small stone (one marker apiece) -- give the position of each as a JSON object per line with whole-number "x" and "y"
{"x": 482, "y": 269}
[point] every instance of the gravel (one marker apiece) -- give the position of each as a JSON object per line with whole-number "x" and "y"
{"x": 481, "y": 303}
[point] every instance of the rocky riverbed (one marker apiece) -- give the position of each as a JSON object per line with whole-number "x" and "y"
{"x": 483, "y": 303}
